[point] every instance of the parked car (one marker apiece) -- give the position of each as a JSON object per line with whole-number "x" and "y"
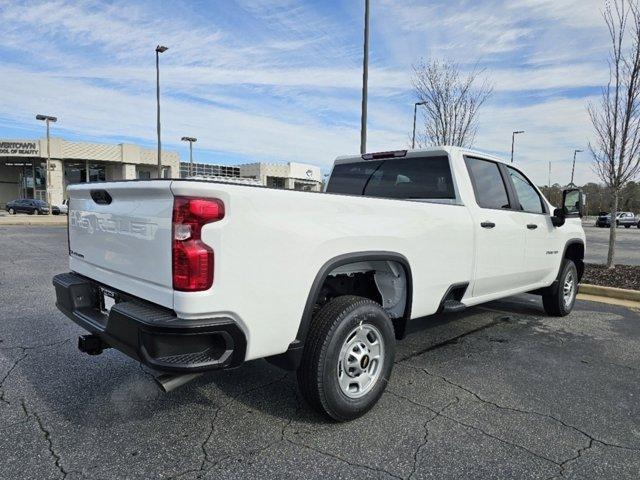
{"x": 27, "y": 205}
{"x": 188, "y": 276}
{"x": 625, "y": 219}
{"x": 64, "y": 207}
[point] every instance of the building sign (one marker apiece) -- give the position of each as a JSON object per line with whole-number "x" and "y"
{"x": 19, "y": 148}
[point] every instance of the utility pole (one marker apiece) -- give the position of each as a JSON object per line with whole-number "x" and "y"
{"x": 190, "y": 140}
{"x": 159, "y": 49}
{"x": 573, "y": 168}
{"x": 549, "y": 176}
{"x": 365, "y": 81}
{"x": 513, "y": 135}
{"x": 415, "y": 110}
{"x": 47, "y": 119}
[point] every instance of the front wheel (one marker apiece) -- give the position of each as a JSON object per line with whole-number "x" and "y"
{"x": 347, "y": 358}
{"x": 12, "y": 212}
{"x": 36, "y": 212}
{"x": 559, "y": 300}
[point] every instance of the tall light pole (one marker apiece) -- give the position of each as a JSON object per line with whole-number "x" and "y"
{"x": 159, "y": 49}
{"x": 190, "y": 140}
{"x": 549, "y": 177}
{"x": 513, "y": 137}
{"x": 573, "y": 168}
{"x": 365, "y": 80}
{"x": 415, "y": 111}
{"x": 46, "y": 119}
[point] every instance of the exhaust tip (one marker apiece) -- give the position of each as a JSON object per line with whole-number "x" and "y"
{"x": 167, "y": 382}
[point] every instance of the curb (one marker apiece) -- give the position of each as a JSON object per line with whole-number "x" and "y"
{"x": 610, "y": 292}
{"x": 31, "y": 223}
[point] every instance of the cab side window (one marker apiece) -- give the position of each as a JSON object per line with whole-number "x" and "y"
{"x": 488, "y": 185}
{"x": 530, "y": 200}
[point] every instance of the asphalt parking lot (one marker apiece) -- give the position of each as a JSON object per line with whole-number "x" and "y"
{"x": 627, "y": 244}
{"x": 499, "y": 391}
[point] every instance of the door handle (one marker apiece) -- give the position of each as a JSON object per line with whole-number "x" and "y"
{"x": 487, "y": 224}
{"x": 532, "y": 226}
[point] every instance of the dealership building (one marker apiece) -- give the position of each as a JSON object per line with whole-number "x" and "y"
{"x": 291, "y": 176}
{"x": 23, "y": 168}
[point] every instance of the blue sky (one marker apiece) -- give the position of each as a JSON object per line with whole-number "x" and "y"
{"x": 279, "y": 80}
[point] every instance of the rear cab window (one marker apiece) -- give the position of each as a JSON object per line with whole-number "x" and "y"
{"x": 425, "y": 178}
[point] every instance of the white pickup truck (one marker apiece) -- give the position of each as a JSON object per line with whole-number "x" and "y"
{"x": 188, "y": 276}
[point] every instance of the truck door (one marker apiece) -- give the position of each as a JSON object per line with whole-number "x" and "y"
{"x": 499, "y": 236}
{"x": 541, "y": 252}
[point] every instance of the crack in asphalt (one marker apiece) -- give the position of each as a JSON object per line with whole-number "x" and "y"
{"x": 47, "y": 436}
{"x": 451, "y": 341}
{"x": 426, "y": 434}
{"x": 459, "y": 422}
{"x": 6, "y": 376}
{"x": 527, "y": 412}
{"x": 35, "y": 347}
{"x": 341, "y": 459}
{"x": 579, "y": 454}
{"x": 211, "y": 429}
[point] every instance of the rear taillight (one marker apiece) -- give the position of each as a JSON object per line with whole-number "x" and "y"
{"x": 192, "y": 258}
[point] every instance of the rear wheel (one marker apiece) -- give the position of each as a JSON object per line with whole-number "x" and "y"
{"x": 627, "y": 226}
{"x": 559, "y": 301}
{"x": 348, "y": 357}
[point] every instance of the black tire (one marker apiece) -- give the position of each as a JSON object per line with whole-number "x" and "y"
{"x": 13, "y": 212}
{"x": 35, "y": 211}
{"x": 627, "y": 226}
{"x": 318, "y": 372}
{"x": 554, "y": 300}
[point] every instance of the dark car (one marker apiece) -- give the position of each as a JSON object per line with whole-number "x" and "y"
{"x": 27, "y": 205}
{"x": 603, "y": 220}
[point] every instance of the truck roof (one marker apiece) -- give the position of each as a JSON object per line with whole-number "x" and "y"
{"x": 407, "y": 153}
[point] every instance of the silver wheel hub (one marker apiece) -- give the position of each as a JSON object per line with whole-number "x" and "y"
{"x": 568, "y": 289}
{"x": 360, "y": 361}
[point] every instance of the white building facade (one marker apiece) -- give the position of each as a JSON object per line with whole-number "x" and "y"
{"x": 291, "y": 176}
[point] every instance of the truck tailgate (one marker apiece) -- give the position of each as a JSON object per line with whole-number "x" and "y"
{"x": 120, "y": 235}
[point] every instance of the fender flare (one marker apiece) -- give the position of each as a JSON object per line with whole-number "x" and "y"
{"x": 290, "y": 359}
{"x": 345, "y": 259}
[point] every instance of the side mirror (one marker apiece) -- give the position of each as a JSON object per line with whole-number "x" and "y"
{"x": 558, "y": 217}
{"x": 572, "y": 202}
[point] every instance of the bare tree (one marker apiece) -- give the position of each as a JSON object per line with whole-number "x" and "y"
{"x": 451, "y": 102}
{"x": 616, "y": 117}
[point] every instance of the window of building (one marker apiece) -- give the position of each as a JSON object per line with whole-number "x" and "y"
{"x": 144, "y": 175}
{"x": 488, "y": 184}
{"x": 528, "y": 197}
{"x": 275, "y": 182}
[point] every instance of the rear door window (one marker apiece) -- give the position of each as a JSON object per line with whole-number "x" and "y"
{"x": 421, "y": 178}
{"x": 488, "y": 184}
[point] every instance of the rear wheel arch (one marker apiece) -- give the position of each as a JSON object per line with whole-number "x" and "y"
{"x": 352, "y": 258}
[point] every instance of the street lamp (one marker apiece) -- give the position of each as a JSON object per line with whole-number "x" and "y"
{"x": 159, "y": 49}
{"x": 415, "y": 109}
{"x": 46, "y": 119}
{"x": 513, "y": 135}
{"x": 190, "y": 140}
{"x": 365, "y": 81}
{"x": 573, "y": 168}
